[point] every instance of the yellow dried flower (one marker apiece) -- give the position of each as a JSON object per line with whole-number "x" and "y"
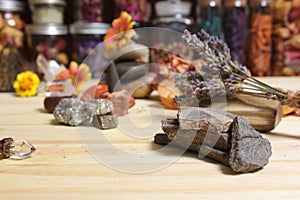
{"x": 27, "y": 84}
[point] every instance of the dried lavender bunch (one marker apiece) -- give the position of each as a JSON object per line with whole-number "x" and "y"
{"x": 236, "y": 77}
{"x": 196, "y": 90}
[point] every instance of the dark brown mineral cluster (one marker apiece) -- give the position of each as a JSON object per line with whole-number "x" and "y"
{"x": 221, "y": 136}
{"x": 5, "y": 145}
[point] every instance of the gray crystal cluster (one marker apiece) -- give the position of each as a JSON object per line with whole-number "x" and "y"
{"x": 71, "y": 111}
{"x": 105, "y": 121}
{"x": 101, "y": 110}
{"x": 74, "y": 112}
{"x": 99, "y": 106}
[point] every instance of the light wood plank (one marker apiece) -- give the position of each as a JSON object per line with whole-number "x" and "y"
{"x": 62, "y": 168}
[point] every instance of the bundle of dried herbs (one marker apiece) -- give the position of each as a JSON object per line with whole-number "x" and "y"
{"x": 223, "y": 137}
{"x": 11, "y": 63}
{"x": 223, "y": 75}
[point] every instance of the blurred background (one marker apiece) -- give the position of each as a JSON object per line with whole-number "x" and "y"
{"x": 264, "y": 35}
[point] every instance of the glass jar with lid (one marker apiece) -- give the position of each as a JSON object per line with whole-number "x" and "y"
{"x": 90, "y": 10}
{"x": 50, "y": 40}
{"x": 235, "y": 27}
{"x": 173, "y": 14}
{"x": 138, "y": 9}
{"x": 47, "y": 11}
{"x": 260, "y": 40}
{"x": 12, "y": 51}
{"x": 285, "y": 38}
{"x": 85, "y": 37}
{"x": 11, "y": 23}
{"x": 211, "y": 17}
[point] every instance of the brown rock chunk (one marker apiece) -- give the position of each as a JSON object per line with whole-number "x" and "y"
{"x": 204, "y": 119}
{"x": 5, "y": 145}
{"x": 249, "y": 151}
{"x": 212, "y": 139}
{"x": 206, "y": 151}
{"x": 242, "y": 148}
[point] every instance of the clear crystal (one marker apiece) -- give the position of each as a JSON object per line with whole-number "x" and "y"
{"x": 49, "y": 68}
{"x": 71, "y": 111}
{"x": 21, "y": 149}
{"x": 99, "y": 106}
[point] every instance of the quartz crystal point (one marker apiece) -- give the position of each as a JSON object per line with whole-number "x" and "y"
{"x": 49, "y": 68}
{"x": 21, "y": 149}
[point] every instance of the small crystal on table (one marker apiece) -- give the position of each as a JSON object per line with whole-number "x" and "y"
{"x": 105, "y": 121}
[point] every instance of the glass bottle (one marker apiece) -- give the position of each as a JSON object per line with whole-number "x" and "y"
{"x": 211, "y": 17}
{"x": 285, "y": 38}
{"x": 260, "y": 40}
{"x": 235, "y": 27}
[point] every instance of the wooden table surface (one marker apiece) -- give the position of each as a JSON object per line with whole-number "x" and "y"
{"x": 63, "y": 168}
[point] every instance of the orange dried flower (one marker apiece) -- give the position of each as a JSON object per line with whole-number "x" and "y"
{"x": 79, "y": 74}
{"x": 121, "y": 31}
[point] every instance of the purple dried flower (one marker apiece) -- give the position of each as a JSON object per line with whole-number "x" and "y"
{"x": 235, "y": 77}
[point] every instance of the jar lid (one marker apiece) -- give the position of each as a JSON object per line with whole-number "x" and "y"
{"x": 183, "y": 20}
{"x": 55, "y": 2}
{"x": 47, "y": 29}
{"x": 11, "y": 5}
{"x": 235, "y": 3}
{"x": 211, "y": 3}
{"x": 260, "y": 3}
{"x": 173, "y": 7}
{"x": 89, "y": 28}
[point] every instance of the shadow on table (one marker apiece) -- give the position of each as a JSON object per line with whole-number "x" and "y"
{"x": 191, "y": 154}
{"x": 283, "y": 135}
{"x": 42, "y": 110}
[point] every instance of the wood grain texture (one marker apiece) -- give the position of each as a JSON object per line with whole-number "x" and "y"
{"x": 263, "y": 114}
{"x": 62, "y": 168}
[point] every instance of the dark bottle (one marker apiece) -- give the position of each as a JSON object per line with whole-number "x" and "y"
{"x": 211, "y": 17}
{"x": 260, "y": 40}
{"x": 235, "y": 27}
